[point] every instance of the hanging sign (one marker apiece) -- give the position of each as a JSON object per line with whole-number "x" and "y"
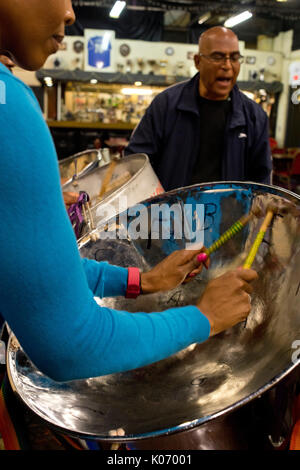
{"x": 99, "y": 50}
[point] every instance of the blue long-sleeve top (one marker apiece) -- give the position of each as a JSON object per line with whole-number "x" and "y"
{"x": 46, "y": 289}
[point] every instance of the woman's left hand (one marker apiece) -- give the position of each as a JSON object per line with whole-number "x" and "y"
{"x": 172, "y": 271}
{"x": 70, "y": 198}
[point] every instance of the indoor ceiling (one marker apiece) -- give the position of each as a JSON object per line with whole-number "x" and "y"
{"x": 289, "y": 9}
{"x": 269, "y": 16}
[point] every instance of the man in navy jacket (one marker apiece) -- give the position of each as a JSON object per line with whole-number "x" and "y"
{"x": 205, "y": 129}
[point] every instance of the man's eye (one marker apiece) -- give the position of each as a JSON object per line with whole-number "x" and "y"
{"x": 235, "y": 56}
{"x": 217, "y": 56}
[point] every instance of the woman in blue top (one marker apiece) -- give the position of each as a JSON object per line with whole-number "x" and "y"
{"x": 46, "y": 290}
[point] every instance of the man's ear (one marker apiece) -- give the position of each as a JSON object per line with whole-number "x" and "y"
{"x": 197, "y": 61}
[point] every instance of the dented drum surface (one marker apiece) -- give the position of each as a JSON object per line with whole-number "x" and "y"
{"x": 197, "y": 392}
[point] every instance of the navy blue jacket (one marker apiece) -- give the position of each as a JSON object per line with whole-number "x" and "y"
{"x": 168, "y": 134}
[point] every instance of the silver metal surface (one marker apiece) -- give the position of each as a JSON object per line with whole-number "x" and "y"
{"x": 141, "y": 183}
{"x": 80, "y": 164}
{"x": 204, "y": 383}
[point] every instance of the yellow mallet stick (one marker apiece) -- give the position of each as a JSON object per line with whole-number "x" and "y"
{"x": 258, "y": 240}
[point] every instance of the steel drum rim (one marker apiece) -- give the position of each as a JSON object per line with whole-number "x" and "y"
{"x": 163, "y": 432}
{"x": 76, "y": 155}
{"x": 273, "y": 189}
{"x": 132, "y": 177}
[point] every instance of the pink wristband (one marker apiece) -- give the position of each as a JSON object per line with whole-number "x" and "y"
{"x": 133, "y": 283}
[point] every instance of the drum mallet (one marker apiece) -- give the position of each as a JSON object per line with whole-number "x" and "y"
{"x": 233, "y": 230}
{"x": 258, "y": 240}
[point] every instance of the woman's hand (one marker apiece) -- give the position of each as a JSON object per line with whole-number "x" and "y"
{"x": 226, "y": 300}
{"x": 172, "y": 271}
{"x": 70, "y": 198}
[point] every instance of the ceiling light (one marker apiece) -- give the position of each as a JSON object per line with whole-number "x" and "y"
{"x": 117, "y": 9}
{"x": 93, "y": 81}
{"x": 138, "y": 83}
{"x": 234, "y": 20}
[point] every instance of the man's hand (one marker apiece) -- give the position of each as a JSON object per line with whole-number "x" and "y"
{"x": 172, "y": 271}
{"x": 226, "y": 300}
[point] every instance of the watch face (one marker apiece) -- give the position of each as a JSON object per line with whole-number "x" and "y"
{"x": 169, "y": 51}
{"x": 78, "y": 46}
{"x": 124, "y": 50}
{"x": 271, "y": 60}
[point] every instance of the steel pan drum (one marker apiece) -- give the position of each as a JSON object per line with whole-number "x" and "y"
{"x": 80, "y": 164}
{"x": 140, "y": 183}
{"x": 192, "y": 399}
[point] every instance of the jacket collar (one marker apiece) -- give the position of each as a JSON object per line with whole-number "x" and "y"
{"x": 188, "y": 99}
{"x": 188, "y": 102}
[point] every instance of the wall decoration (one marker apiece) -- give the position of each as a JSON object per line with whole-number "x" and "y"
{"x": 78, "y": 46}
{"x": 124, "y": 50}
{"x": 250, "y": 59}
{"x": 169, "y": 50}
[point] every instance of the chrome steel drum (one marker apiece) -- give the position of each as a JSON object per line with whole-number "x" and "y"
{"x": 80, "y": 164}
{"x": 131, "y": 181}
{"x": 194, "y": 399}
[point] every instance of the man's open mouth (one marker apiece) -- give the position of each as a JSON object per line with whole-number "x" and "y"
{"x": 224, "y": 79}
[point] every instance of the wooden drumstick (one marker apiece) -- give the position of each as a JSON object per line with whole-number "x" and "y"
{"x": 259, "y": 238}
{"x": 107, "y": 177}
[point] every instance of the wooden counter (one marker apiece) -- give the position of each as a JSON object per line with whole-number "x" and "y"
{"x": 91, "y": 125}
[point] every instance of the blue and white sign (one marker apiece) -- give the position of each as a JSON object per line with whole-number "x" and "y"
{"x": 99, "y": 50}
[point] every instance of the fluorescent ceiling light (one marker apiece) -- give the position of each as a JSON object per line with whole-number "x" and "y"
{"x": 117, "y": 9}
{"x": 136, "y": 91}
{"x": 234, "y": 20}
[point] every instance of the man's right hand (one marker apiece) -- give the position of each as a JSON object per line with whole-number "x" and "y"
{"x": 226, "y": 300}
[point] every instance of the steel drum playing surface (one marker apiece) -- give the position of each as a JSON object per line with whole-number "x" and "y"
{"x": 206, "y": 380}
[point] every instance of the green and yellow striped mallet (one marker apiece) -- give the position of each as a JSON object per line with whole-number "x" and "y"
{"x": 233, "y": 230}
{"x": 259, "y": 238}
